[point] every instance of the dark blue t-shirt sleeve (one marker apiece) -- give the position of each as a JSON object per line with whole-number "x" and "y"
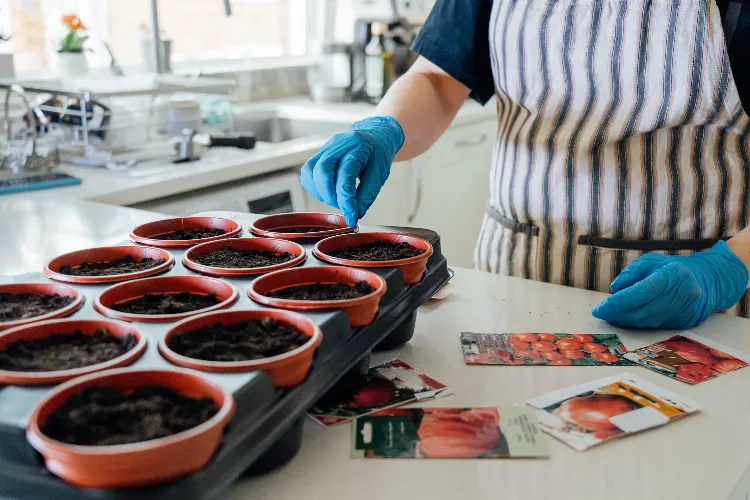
{"x": 455, "y": 37}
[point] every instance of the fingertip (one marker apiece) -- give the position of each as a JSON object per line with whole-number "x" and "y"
{"x": 349, "y": 209}
{"x": 352, "y": 164}
{"x": 351, "y": 220}
{"x": 602, "y": 310}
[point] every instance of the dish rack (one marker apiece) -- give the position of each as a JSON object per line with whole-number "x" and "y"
{"x": 106, "y": 123}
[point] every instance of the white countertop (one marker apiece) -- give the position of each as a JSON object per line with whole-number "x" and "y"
{"x": 34, "y": 231}
{"x": 705, "y": 456}
{"x": 225, "y": 164}
{"x": 701, "y": 457}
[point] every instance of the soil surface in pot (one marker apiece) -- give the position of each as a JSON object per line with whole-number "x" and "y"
{"x": 230, "y": 257}
{"x": 166, "y": 303}
{"x": 243, "y": 341}
{"x": 301, "y": 229}
{"x": 103, "y": 416}
{"x": 14, "y": 306}
{"x": 64, "y": 351}
{"x": 122, "y": 265}
{"x": 323, "y": 291}
{"x": 189, "y": 234}
{"x": 377, "y": 250}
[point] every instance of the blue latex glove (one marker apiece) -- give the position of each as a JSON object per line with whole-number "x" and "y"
{"x": 666, "y": 291}
{"x": 365, "y": 153}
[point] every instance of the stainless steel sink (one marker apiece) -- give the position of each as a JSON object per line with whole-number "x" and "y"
{"x": 278, "y": 128}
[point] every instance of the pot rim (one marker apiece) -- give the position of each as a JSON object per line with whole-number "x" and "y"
{"x": 239, "y": 271}
{"x": 112, "y": 278}
{"x": 270, "y": 233}
{"x": 148, "y": 241}
{"x": 383, "y": 235}
{"x": 163, "y": 318}
{"x": 13, "y": 377}
{"x": 77, "y": 303}
{"x": 38, "y": 438}
{"x": 315, "y": 339}
{"x": 316, "y": 304}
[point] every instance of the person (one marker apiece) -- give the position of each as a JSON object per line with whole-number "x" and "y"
{"x": 622, "y": 153}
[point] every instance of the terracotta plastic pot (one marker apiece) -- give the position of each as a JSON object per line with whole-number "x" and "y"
{"x": 260, "y": 244}
{"x": 46, "y": 289}
{"x": 361, "y": 310}
{"x": 225, "y": 293}
{"x": 144, "y": 233}
{"x": 325, "y": 225}
{"x": 134, "y": 464}
{"x": 43, "y": 329}
{"x": 106, "y": 254}
{"x": 411, "y": 268}
{"x": 287, "y": 370}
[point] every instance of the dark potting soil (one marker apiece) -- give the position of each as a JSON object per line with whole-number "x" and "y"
{"x": 324, "y": 291}
{"x": 230, "y": 257}
{"x": 122, "y": 265}
{"x": 246, "y": 340}
{"x": 377, "y": 250}
{"x": 189, "y": 234}
{"x": 103, "y": 415}
{"x": 64, "y": 351}
{"x": 166, "y": 303}
{"x": 302, "y": 229}
{"x": 14, "y": 306}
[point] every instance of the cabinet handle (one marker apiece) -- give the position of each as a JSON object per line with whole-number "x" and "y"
{"x": 416, "y": 172}
{"x": 470, "y": 141}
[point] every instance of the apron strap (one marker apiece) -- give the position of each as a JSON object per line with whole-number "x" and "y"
{"x": 648, "y": 245}
{"x": 588, "y": 240}
{"x": 526, "y": 228}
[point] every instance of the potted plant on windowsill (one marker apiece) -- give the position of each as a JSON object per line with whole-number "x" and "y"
{"x": 72, "y": 59}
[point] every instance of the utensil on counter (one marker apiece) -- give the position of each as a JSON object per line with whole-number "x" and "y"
{"x": 190, "y": 146}
{"x": 113, "y": 65}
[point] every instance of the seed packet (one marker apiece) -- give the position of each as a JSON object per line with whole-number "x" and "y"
{"x": 393, "y": 383}
{"x": 689, "y": 358}
{"x": 545, "y": 349}
{"x": 589, "y": 414}
{"x": 449, "y": 433}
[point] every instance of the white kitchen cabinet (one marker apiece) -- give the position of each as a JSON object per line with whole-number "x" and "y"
{"x": 392, "y": 205}
{"x": 454, "y": 184}
{"x": 272, "y": 193}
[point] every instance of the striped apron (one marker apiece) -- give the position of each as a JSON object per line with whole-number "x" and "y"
{"x": 620, "y": 132}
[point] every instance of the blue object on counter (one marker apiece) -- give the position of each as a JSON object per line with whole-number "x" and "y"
{"x": 35, "y": 182}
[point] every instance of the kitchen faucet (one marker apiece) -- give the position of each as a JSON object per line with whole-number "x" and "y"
{"x": 156, "y": 41}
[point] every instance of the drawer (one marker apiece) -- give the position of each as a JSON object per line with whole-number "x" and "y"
{"x": 460, "y": 142}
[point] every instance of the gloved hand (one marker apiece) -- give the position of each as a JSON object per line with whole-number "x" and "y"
{"x": 366, "y": 152}
{"x": 666, "y": 291}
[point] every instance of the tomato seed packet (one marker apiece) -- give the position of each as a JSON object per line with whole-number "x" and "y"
{"x": 393, "y": 383}
{"x": 589, "y": 414}
{"x": 545, "y": 349}
{"x": 449, "y": 433}
{"x": 689, "y": 358}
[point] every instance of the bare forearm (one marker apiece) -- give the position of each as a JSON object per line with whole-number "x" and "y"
{"x": 424, "y": 101}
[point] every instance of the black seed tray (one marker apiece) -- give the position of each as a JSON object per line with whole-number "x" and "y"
{"x": 266, "y": 430}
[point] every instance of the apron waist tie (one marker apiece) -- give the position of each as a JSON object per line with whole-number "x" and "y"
{"x": 515, "y": 226}
{"x": 530, "y": 229}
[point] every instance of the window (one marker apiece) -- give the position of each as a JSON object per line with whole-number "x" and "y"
{"x": 199, "y": 29}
